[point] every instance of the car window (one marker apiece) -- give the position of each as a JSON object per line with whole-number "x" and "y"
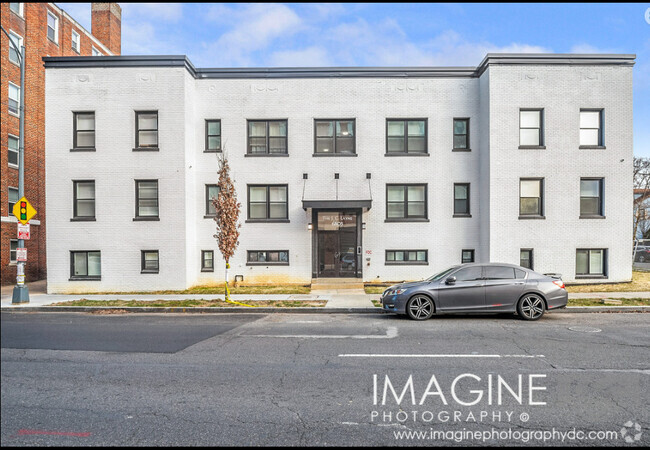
{"x": 520, "y": 273}
{"x": 440, "y": 275}
{"x": 499, "y": 273}
{"x": 469, "y": 274}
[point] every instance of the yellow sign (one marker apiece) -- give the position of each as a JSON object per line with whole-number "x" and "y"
{"x": 23, "y": 211}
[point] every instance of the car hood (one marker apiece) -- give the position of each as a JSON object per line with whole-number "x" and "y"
{"x": 409, "y": 285}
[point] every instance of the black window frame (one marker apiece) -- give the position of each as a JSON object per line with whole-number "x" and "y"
{"x": 601, "y": 203}
{"x": 138, "y": 217}
{"x": 407, "y": 217}
{"x": 467, "y": 147}
{"x": 86, "y": 277}
{"x": 203, "y": 259}
{"x": 75, "y": 132}
{"x": 601, "y": 129}
{"x": 540, "y": 210}
{"x": 208, "y": 136}
{"x": 267, "y": 262}
{"x": 406, "y": 137}
{"x": 335, "y": 138}
{"x": 208, "y": 201}
{"x": 406, "y": 261}
{"x": 267, "y": 137}
{"x": 143, "y": 268}
{"x": 151, "y": 148}
{"x": 593, "y": 275}
{"x": 268, "y": 204}
{"x": 75, "y": 199}
{"x": 531, "y": 261}
{"x": 541, "y": 141}
{"x": 468, "y": 212}
{"x": 462, "y": 255}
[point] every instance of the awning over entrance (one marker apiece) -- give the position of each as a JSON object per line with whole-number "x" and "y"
{"x": 319, "y": 193}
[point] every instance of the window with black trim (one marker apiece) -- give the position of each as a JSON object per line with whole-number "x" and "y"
{"x": 212, "y": 135}
{"x": 149, "y": 261}
{"x": 531, "y": 128}
{"x": 84, "y": 130}
{"x": 267, "y": 257}
{"x": 85, "y": 265}
{"x": 461, "y": 200}
{"x": 467, "y": 256}
{"x": 404, "y": 136}
{"x": 12, "y": 196}
{"x": 461, "y": 134}
{"x": 267, "y": 137}
{"x": 207, "y": 261}
{"x": 591, "y": 262}
{"x": 84, "y": 200}
{"x": 146, "y": 135}
{"x": 407, "y": 257}
{"x": 526, "y": 258}
{"x": 13, "y": 143}
{"x": 591, "y": 128}
{"x": 591, "y": 197}
{"x": 531, "y": 197}
{"x": 146, "y": 199}
{"x": 267, "y": 202}
{"x": 406, "y": 201}
{"x": 211, "y": 191}
{"x": 334, "y": 137}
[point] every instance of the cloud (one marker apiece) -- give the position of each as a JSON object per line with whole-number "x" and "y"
{"x": 308, "y": 57}
{"x": 166, "y": 12}
{"x": 587, "y": 48}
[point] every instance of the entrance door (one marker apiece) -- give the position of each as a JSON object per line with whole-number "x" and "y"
{"x": 337, "y": 244}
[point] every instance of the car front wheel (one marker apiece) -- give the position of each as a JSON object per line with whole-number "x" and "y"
{"x": 420, "y": 307}
{"x": 530, "y": 307}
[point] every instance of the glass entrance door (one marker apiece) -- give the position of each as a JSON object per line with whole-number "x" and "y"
{"x": 337, "y": 244}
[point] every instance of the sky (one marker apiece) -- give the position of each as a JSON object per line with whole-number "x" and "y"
{"x": 385, "y": 34}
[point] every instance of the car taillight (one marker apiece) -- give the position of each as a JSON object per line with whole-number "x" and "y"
{"x": 559, "y": 283}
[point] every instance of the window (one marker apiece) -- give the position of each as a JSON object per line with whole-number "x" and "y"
{"x": 213, "y": 135}
{"x": 461, "y": 200}
{"x": 591, "y": 126}
{"x": 267, "y": 202}
{"x": 334, "y": 137}
{"x": 95, "y": 52}
{"x": 531, "y": 128}
{"x": 211, "y": 191}
{"x": 268, "y": 257}
{"x": 12, "y": 194}
{"x": 406, "y": 202}
{"x": 406, "y": 257}
{"x": 13, "y": 104}
{"x": 267, "y": 137}
{"x": 461, "y": 134}
{"x": 207, "y": 261}
{"x": 406, "y": 136}
{"x": 12, "y": 151}
{"x": 467, "y": 256}
{"x": 149, "y": 261}
{"x": 75, "y": 41}
{"x": 14, "y": 55}
{"x": 17, "y": 8}
{"x": 591, "y": 262}
{"x": 84, "y": 130}
{"x": 146, "y": 136}
{"x": 499, "y": 273}
{"x": 84, "y": 200}
{"x": 526, "y": 258}
{"x": 85, "y": 265}
{"x": 146, "y": 199}
{"x": 13, "y": 250}
{"x": 531, "y": 197}
{"x": 591, "y": 197}
{"x": 469, "y": 274}
{"x": 52, "y": 27}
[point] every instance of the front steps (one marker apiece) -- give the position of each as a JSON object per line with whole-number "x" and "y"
{"x": 336, "y": 284}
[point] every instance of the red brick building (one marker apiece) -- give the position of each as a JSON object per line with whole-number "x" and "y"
{"x": 45, "y": 30}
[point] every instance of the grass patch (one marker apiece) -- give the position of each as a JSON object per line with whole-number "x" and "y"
{"x": 640, "y": 283}
{"x": 194, "y": 303}
{"x": 377, "y": 303}
{"x": 376, "y": 289}
{"x": 597, "y": 302}
{"x": 212, "y": 290}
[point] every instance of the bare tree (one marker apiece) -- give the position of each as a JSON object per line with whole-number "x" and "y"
{"x": 641, "y": 210}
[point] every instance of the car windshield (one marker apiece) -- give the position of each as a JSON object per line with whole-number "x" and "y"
{"x": 442, "y": 274}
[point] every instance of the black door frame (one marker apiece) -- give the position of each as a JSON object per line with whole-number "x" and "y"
{"x": 314, "y": 239}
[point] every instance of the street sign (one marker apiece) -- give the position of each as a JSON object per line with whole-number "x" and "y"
{"x": 23, "y": 211}
{"x": 23, "y": 231}
{"x": 21, "y": 254}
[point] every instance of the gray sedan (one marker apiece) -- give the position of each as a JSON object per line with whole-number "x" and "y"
{"x": 478, "y": 288}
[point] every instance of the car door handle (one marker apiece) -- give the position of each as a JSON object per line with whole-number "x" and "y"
{"x": 519, "y": 282}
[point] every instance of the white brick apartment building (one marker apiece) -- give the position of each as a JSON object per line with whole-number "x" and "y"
{"x": 383, "y": 174}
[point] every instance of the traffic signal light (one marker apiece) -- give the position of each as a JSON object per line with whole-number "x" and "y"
{"x": 23, "y": 210}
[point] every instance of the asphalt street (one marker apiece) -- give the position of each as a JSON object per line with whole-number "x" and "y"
{"x": 323, "y": 379}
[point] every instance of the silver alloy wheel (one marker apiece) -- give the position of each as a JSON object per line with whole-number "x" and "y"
{"x": 531, "y": 307}
{"x": 420, "y": 307}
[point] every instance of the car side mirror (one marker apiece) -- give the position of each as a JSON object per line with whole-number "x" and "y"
{"x": 450, "y": 280}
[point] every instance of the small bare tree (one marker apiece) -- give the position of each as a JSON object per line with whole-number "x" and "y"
{"x": 227, "y": 216}
{"x": 642, "y": 183}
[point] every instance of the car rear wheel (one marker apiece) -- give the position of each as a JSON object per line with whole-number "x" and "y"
{"x": 530, "y": 307}
{"x": 420, "y": 307}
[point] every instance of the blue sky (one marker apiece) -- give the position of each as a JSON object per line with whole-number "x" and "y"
{"x": 384, "y": 34}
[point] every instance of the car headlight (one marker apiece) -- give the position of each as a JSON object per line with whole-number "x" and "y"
{"x": 395, "y": 291}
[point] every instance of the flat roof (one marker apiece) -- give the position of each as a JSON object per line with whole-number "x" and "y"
{"x": 67, "y": 62}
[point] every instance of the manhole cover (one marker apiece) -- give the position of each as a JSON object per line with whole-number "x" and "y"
{"x": 586, "y": 329}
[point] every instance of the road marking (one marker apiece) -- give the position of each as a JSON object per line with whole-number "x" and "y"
{"x": 51, "y": 433}
{"x": 391, "y": 333}
{"x": 361, "y": 355}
